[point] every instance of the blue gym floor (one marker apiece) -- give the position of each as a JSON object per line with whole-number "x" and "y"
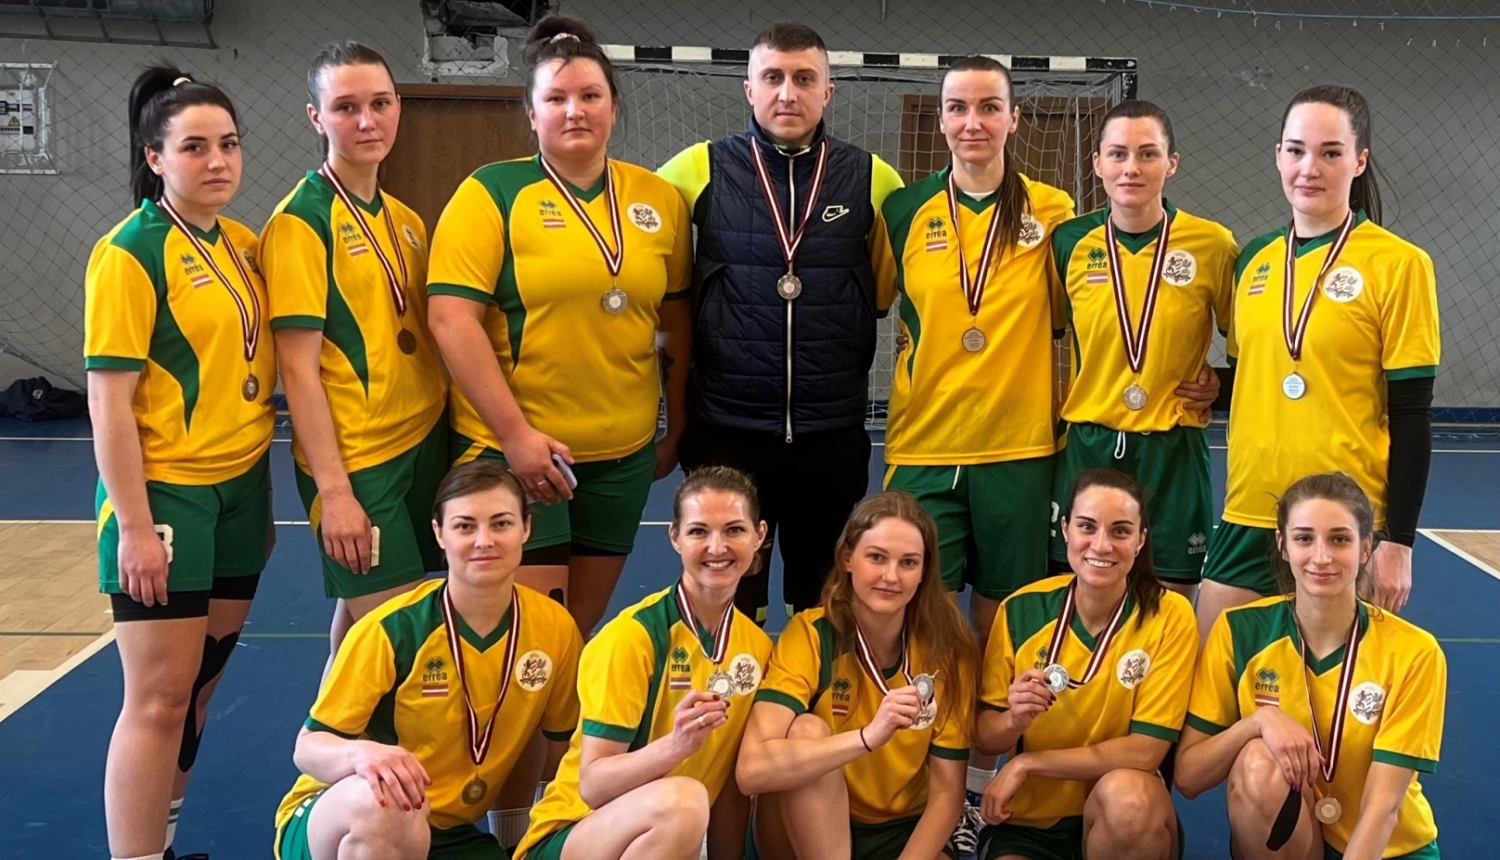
{"x": 52, "y": 750}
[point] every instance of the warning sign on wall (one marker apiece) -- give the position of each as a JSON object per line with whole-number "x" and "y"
{"x": 24, "y": 127}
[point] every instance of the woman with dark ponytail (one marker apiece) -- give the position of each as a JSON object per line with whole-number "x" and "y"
{"x": 567, "y": 267}
{"x": 177, "y": 346}
{"x": 1335, "y": 333}
{"x": 1086, "y": 683}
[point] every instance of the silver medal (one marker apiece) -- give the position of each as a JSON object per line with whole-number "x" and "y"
{"x": 1294, "y": 386}
{"x": 1057, "y": 677}
{"x": 615, "y": 301}
{"x": 1135, "y": 398}
{"x": 721, "y": 684}
{"x": 1329, "y": 810}
{"x": 973, "y": 340}
{"x": 789, "y": 286}
{"x": 925, "y": 685}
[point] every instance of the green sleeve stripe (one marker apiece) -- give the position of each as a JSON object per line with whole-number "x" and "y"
{"x": 608, "y": 732}
{"x": 315, "y": 726}
{"x": 564, "y": 735}
{"x": 1161, "y": 733}
{"x": 996, "y": 708}
{"x": 113, "y": 362}
{"x": 1425, "y": 372}
{"x": 1201, "y": 725}
{"x": 1423, "y": 765}
{"x": 461, "y": 292}
{"x": 678, "y": 296}
{"x": 1253, "y": 247}
{"x": 782, "y": 699}
{"x": 1233, "y": 360}
{"x": 948, "y": 753}
{"x": 297, "y": 321}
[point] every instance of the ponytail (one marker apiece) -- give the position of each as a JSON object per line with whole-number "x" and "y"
{"x": 159, "y": 94}
{"x": 1364, "y": 192}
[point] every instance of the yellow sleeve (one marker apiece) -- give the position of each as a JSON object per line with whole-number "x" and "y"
{"x": 467, "y": 246}
{"x": 795, "y": 668}
{"x": 999, "y": 664}
{"x": 952, "y": 738}
{"x": 1161, "y": 699}
{"x": 1411, "y": 728}
{"x": 119, "y": 310}
{"x": 561, "y": 715}
{"x": 1214, "y": 704}
{"x": 1223, "y": 289}
{"x": 883, "y": 263}
{"x": 1410, "y": 342}
{"x": 295, "y": 262}
{"x": 363, "y": 672}
{"x": 688, "y": 172}
{"x": 615, "y": 680}
{"x": 884, "y": 181}
{"x": 680, "y": 264}
{"x": 1058, "y": 291}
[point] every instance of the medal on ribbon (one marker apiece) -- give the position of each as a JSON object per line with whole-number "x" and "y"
{"x": 926, "y": 684}
{"x": 249, "y": 312}
{"x": 1294, "y": 386}
{"x": 720, "y": 683}
{"x": 1056, "y": 674}
{"x": 476, "y": 789}
{"x": 614, "y": 300}
{"x": 789, "y": 286}
{"x": 1328, "y": 809}
{"x": 1135, "y": 337}
{"x": 973, "y": 338}
{"x": 395, "y": 275}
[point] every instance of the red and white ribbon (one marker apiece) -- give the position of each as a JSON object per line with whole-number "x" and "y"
{"x": 1296, "y": 333}
{"x": 249, "y": 315}
{"x": 397, "y": 283}
{"x": 1135, "y": 338}
{"x": 613, "y": 259}
{"x": 786, "y": 237}
{"x": 479, "y": 742}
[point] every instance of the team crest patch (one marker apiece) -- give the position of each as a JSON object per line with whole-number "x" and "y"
{"x": 745, "y": 671}
{"x": 411, "y": 237}
{"x": 533, "y": 670}
{"x": 1366, "y": 702}
{"x": 249, "y": 257}
{"x": 926, "y": 716}
{"x": 1132, "y": 668}
{"x": 644, "y": 217}
{"x": 1180, "y": 268}
{"x": 1344, "y": 284}
{"x": 1032, "y": 232}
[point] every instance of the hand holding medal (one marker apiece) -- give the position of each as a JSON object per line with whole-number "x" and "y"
{"x": 1030, "y": 696}
{"x": 697, "y": 715}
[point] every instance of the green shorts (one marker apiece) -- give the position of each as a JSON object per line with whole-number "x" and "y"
{"x": 397, "y": 497}
{"x": 551, "y": 846}
{"x": 1244, "y": 557}
{"x": 212, "y": 531}
{"x": 1171, "y": 465}
{"x": 464, "y": 842}
{"x": 991, "y": 519}
{"x": 1426, "y": 852}
{"x": 1061, "y": 841}
{"x": 605, "y": 511}
{"x": 884, "y": 841}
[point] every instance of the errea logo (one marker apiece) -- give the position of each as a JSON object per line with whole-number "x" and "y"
{"x": 1197, "y": 543}
{"x": 433, "y": 670}
{"x": 1097, "y": 259}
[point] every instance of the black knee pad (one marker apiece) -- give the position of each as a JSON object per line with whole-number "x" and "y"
{"x": 215, "y": 655}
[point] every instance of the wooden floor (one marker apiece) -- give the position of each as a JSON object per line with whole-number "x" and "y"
{"x": 1483, "y": 547}
{"x": 51, "y": 611}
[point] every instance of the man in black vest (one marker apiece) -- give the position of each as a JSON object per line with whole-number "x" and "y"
{"x": 785, "y": 309}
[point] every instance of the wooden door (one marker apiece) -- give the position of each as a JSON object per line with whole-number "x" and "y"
{"x": 447, "y": 132}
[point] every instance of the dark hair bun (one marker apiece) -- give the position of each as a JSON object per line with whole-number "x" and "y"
{"x": 544, "y": 42}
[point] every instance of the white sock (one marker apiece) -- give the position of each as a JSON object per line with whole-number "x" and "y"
{"x": 172, "y": 813}
{"x": 508, "y": 826}
{"x": 978, "y": 778}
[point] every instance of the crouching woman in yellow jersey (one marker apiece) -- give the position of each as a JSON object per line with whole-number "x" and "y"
{"x": 346, "y": 267}
{"x": 665, "y": 692}
{"x": 551, "y": 278}
{"x": 1086, "y": 681}
{"x": 434, "y": 695}
{"x": 181, "y": 369}
{"x": 1318, "y": 708}
{"x": 1145, "y": 283}
{"x": 865, "y": 713}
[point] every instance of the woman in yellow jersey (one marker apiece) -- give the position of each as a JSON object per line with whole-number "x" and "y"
{"x": 865, "y": 713}
{"x": 1144, "y": 282}
{"x": 665, "y": 692}
{"x": 346, "y": 267}
{"x": 1334, "y": 346}
{"x": 1086, "y": 683}
{"x": 433, "y": 696}
{"x": 1318, "y": 708}
{"x": 568, "y": 267}
{"x": 181, "y": 369}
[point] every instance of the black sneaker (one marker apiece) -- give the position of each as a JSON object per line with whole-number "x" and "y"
{"x": 169, "y": 854}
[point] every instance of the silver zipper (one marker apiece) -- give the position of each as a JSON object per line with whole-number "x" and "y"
{"x": 791, "y": 188}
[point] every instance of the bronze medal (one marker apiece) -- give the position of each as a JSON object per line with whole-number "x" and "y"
{"x": 789, "y": 286}
{"x": 474, "y": 791}
{"x": 251, "y": 388}
{"x": 407, "y": 341}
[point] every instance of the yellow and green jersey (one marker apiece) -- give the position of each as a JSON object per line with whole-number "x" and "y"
{"x": 1142, "y": 685}
{"x": 1375, "y": 319}
{"x": 1195, "y": 289}
{"x": 323, "y": 273}
{"x": 808, "y": 673}
{"x": 153, "y": 303}
{"x": 1253, "y": 658}
{"x": 631, "y": 677}
{"x": 950, "y": 406}
{"x": 509, "y": 240}
{"x": 394, "y": 682}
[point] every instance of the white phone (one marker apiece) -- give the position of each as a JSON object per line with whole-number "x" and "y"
{"x": 567, "y": 473}
{"x": 374, "y": 546}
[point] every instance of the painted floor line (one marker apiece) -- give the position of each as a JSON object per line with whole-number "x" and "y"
{"x": 1485, "y": 566}
{"x": 21, "y": 686}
